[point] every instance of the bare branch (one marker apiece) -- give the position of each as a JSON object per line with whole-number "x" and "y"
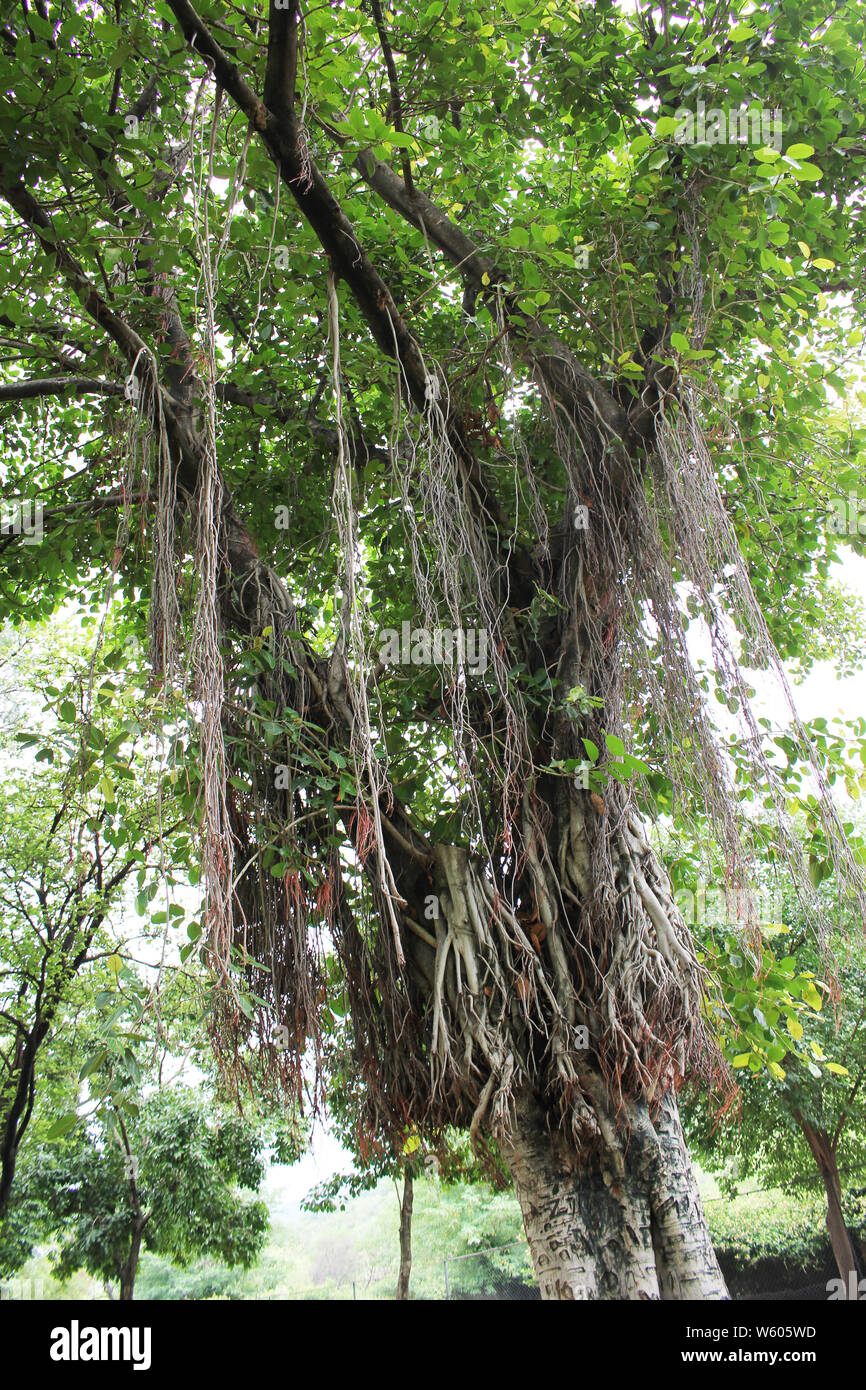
{"x": 395, "y": 105}
{"x": 58, "y": 386}
{"x": 281, "y": 73}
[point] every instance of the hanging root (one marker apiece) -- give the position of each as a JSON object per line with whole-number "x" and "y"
{"x": 562, "y": 998}
{"x": 556, "y": 957}
{"x": 351, "y": 666}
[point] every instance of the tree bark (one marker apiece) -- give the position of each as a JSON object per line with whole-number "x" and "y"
{"x": 129, "y": 1268}
{"x": 405, "y": 1236}
{"x": 824, "y": 1153}
{"x": 623, "y": 1221}
{"x": 14, "y": 1118}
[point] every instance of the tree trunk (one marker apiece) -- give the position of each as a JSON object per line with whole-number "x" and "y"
{"x": 623, "y": 1222}
{"x": 17, "y": 1099}
{"x": 405, "y": 1236}
{"x": 129, "y": 1268}
{"x": 15, "y": 1116}
{"x": 824, "y": 1154}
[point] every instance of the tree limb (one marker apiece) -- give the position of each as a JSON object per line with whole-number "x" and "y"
{"x": 58, "y": 386}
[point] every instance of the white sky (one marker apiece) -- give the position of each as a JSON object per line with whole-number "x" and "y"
{"x": 823, "y": 693}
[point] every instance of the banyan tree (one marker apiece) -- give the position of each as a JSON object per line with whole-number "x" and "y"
{"x": 454, "y": 421}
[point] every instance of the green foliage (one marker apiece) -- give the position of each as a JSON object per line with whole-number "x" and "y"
{"x": 190, "y": 1176}
{"x": 75, "y": 828}
{"x": 578, "y": 150}
{"x": 312, "y": 1255}
{"x": 762, "y": 1005}
{"x": 822, "y": 1085}
{"x": 777, "y": 1225}
{"x": 81, "y": 811}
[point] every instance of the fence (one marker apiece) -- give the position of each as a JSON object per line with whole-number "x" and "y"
{"x": 504, "y": 1273}
{"x": 497, "y": 1272}
{"x": 500, "y": 1272}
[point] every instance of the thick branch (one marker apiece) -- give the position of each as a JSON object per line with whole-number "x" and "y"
{"x": 395, "y": 105}
{"x": 566, "y": 374}
{"x": 58, "y": 386}
{"x": 351, "y": 263}
{"x": 281, "y": 73}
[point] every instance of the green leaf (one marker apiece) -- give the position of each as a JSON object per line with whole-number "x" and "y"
{"x": 61, "y": 1127}
{"x": 810, "y": 995}
{"x": 92, "y": 1064}
{"x": 807, "y": 173}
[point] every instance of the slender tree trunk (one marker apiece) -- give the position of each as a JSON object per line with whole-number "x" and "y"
{"x": 824, "y": 1154}
{"x": 405, "y": 1236}
{"x": 16, "y": 1102}
{"x": 16, "y": 1115}
{"x": 129, "y": 1268}
{"x": 624, "y": 1222}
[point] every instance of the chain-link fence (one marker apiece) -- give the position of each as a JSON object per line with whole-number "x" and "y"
{"x": 498, "y": 1272}
{"x": 809, "y": 1293}
{"x": 504, "y": 1273}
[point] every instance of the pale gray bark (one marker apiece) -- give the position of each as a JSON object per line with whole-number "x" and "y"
{"x": 685, "y": 1259}
{"x": 619, "y": 1223}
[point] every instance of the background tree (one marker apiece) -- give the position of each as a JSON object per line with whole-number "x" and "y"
{"x": 77, "y": 826}
{"x": 127, "y": 1033}
{"x": 307, "y": 312}
{"x": 177, "y": 1183}
{"x": 402, "y": 1159}
{"x": 803, "y": 1125}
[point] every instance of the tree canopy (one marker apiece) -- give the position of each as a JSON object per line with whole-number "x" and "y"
{"x": 463, "y": 406}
